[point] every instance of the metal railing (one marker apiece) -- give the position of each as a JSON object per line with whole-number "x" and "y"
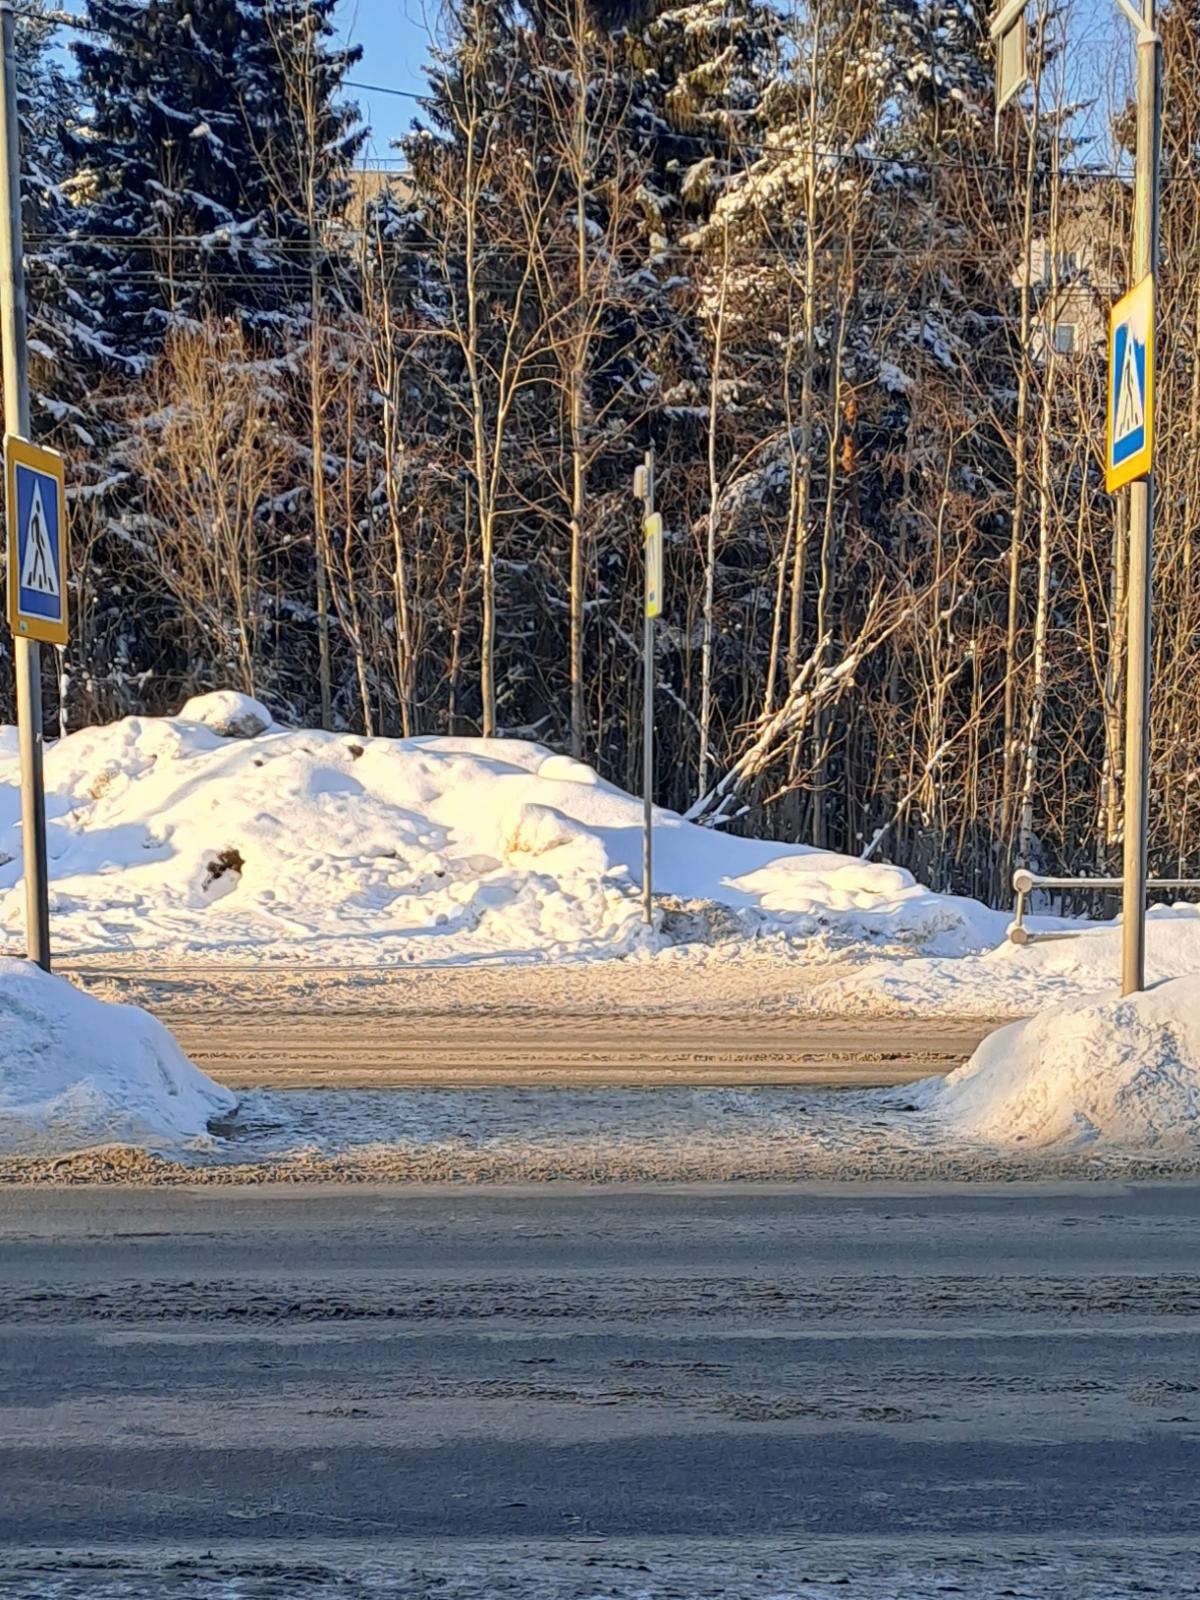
{"x": 1025, "y": 882}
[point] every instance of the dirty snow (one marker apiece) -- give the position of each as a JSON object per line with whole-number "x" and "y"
{"x": 1120, "y": 1073}
{"x": 75, "y": 1071}
{"x": 584, "y": 1566}
{"x": 533, "y": 1136}
{"x": 218, "y": 831}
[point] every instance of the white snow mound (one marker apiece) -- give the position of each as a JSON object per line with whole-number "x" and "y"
{"x": 232, "y": 715}
{"x": 75, "y": 1072}
{"x": 1124, "y": 1074}
{"x": 217, "y": 830}
{"x": 1015, "y": 980}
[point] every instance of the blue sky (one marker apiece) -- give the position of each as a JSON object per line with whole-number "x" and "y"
{"x": 394, "y": 36}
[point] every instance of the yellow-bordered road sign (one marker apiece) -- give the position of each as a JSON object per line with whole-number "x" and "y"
{"x": 1129, "y": 450}
{"x": 36, "y": 505}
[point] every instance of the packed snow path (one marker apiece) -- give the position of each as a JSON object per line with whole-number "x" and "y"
{"x": 720, "y": 1021}
{"x": 860, "y": 1393}
{"x": 401, "y": 1052}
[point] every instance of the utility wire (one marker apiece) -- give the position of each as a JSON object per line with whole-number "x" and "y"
{"x": 721, "y": 141}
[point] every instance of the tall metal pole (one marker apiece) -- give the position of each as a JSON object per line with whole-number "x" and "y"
{"x": 27, "y": 652}
{"x": 1141, "y": 536}
{"x": 648, "y": 720}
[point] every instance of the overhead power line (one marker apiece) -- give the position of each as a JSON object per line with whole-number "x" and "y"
{"x": 79, "y": 25}
{"x": 707, "y": 143}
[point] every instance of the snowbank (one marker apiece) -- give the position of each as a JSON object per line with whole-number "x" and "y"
{"x": 76, "y": 1072}
{"x": 1014, "y": 981}
{"x": 219, "y": 831}
{"x": 1115, "y": 1073}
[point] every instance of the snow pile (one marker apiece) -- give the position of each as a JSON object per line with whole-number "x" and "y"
{"x": 1015, "y": 980}
{"x": 233, "y": 716}
{"x": 1122, "y": 1074}
{"x": 76, "y": 1072}
{"x": 217, "y": 830}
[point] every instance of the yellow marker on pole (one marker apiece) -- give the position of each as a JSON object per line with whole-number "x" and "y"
{"x": 654, "y": 564}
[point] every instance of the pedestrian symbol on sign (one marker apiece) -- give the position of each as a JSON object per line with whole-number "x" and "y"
{"x": 1131, "y": 409}
{"x": 38, "y": 569}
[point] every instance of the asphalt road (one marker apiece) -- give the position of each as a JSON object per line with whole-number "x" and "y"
{"x": 567, "y": 1392}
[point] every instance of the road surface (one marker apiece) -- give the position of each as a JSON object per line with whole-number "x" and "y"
{"x": 604, "y": 1025}
{"x": 564, "y": 1393}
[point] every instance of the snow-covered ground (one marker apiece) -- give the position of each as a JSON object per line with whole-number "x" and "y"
{"x": 218, "y": 832}
{"x": 218, "y": 835}
{"x": 75, "y": 1071}
{"x": 1082, "y": 1087}
{"x": 1013, "y": 981}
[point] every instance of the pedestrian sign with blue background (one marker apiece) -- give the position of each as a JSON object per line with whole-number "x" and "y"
{"x": 36, "y": 505}
{"x": 1130, "y": 430}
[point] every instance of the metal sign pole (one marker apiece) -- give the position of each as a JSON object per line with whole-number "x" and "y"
{"x": 646, "y": 487}
{"x": 1141, "y": 537}
{"x": 27, "y": 652}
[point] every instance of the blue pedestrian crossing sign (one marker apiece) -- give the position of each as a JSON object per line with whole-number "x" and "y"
{"x": 36, "y": 507}
{"x": 1130, "y": 429}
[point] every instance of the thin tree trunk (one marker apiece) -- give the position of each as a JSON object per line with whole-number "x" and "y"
{"x": 1045, "y": 505}
{"x": 804, "y": 476}
{"x": 578, "y": 378}
{"x": 820, "y": 745}
{"x": 317, "y": 450}
{"x": 1020, "y": 450}
{"x": 710, "y": 542}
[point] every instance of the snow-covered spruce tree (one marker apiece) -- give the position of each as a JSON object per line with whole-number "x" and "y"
{"x": 46, "y": 105}
{"x": 191, "y": 206}
{"x": 191, "y": 192}
{"x": 305, "y": 142}
{"x": 59, "y": 321}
